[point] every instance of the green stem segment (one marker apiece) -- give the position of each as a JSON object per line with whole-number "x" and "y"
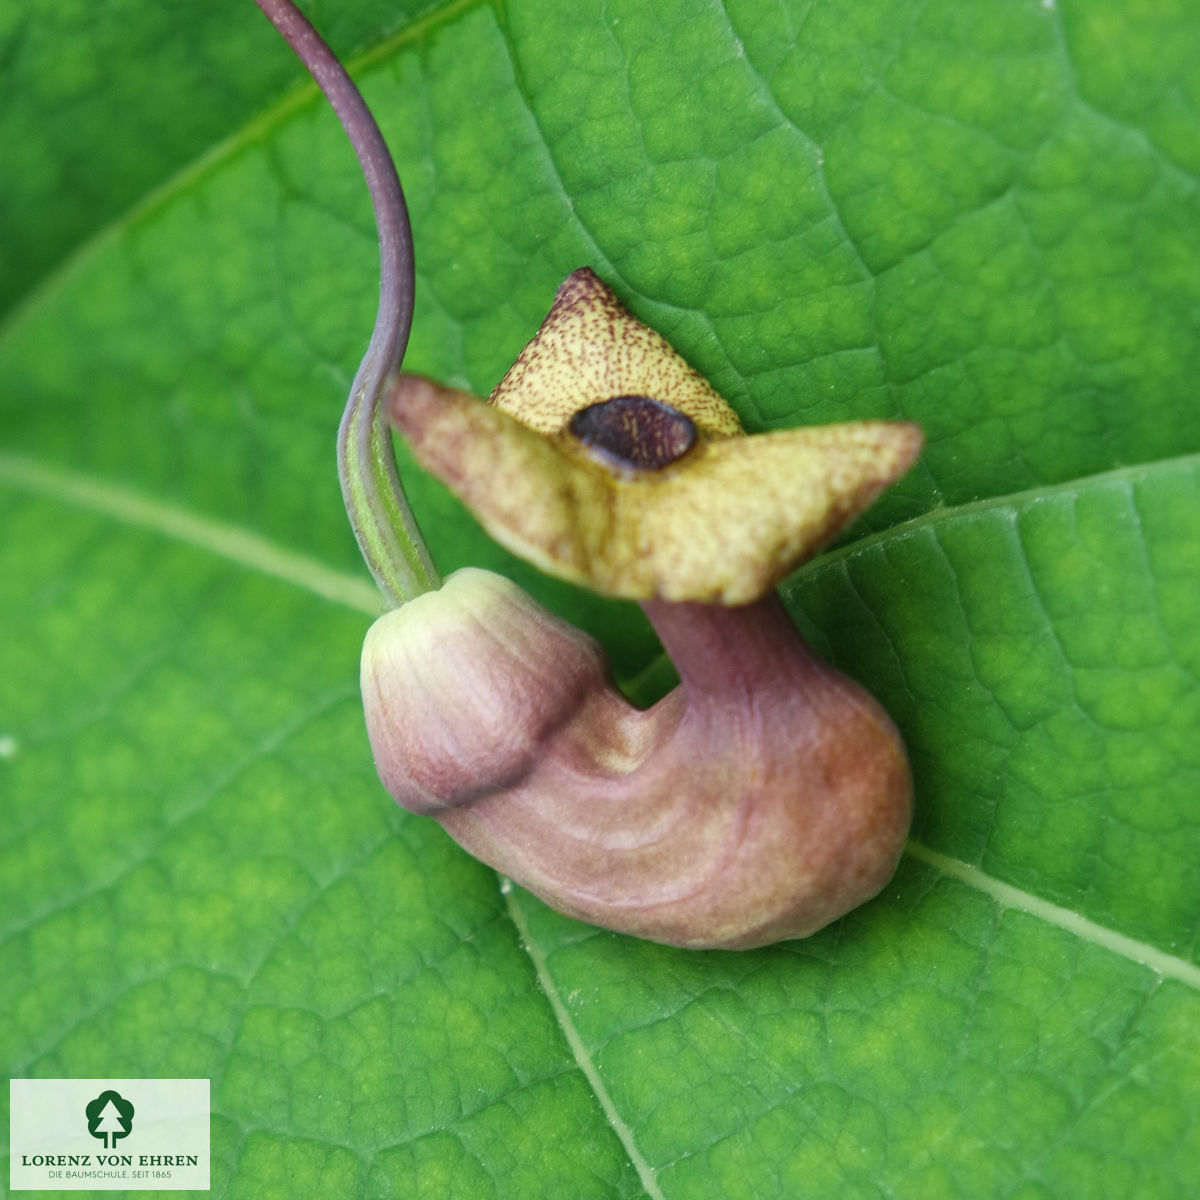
{"x": 375, "y": 502}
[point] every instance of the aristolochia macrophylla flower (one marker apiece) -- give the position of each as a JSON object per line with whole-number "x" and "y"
{"x": 765, "y": 796}
{"x": 605, "y": 459}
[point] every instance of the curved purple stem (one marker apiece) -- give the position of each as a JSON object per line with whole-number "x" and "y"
{"x": 383, "y": 523}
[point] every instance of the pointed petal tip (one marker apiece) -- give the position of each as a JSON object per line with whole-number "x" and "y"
{"x": 909, "y": 442}
{"x": 899, "y": 446}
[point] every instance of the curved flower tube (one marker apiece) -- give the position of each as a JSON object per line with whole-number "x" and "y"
{"x": 763, "y": 798}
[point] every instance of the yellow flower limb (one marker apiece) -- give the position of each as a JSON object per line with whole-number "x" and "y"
{"x": 509, "y": 476}
{"x": 722, "y": 524}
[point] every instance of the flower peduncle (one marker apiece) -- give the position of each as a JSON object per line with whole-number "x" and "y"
{"x": 379, "y": 512}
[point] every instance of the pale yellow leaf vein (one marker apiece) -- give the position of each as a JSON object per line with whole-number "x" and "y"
{"x": 236, "y": 545}
{"x": 580, "y": 1052}
{"x": 1165, "y": 965}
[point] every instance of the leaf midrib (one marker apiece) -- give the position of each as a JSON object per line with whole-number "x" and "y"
{"x": 230, "y": 542}
{"x": 583, "y": 1059}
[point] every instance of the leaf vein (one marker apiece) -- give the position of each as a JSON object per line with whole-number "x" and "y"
{"x": 582, "y": 1058}
{"x": 1167, "y": 966}
{"x": 240, "y": 546}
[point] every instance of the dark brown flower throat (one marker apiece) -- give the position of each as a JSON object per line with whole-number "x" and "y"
{"x": 634, "y": 431}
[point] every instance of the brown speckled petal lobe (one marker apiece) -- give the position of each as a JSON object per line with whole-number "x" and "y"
{"x": 554, "y": 470}
{"x": 591, "y": 348}
{"x": 732, "y": 523}
{"x": 519, "y": 484}
{"x": 722, "y": 524}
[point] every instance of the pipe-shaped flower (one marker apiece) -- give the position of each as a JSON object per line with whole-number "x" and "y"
{"x": 767, "y": 795}
{"x": 762, "y": 799}
{"x": 605, "y": 459}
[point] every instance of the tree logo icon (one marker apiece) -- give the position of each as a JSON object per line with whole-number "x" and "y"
{"x": 109, "y": 1116}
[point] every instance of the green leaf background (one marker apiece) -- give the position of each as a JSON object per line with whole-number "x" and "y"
{"x": 985, "y": 218}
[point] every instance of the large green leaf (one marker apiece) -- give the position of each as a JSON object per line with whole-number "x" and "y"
{"x": 985, "y": 218}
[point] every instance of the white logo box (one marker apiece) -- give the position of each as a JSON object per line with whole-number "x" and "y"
{"x": 137, "y": 1134}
